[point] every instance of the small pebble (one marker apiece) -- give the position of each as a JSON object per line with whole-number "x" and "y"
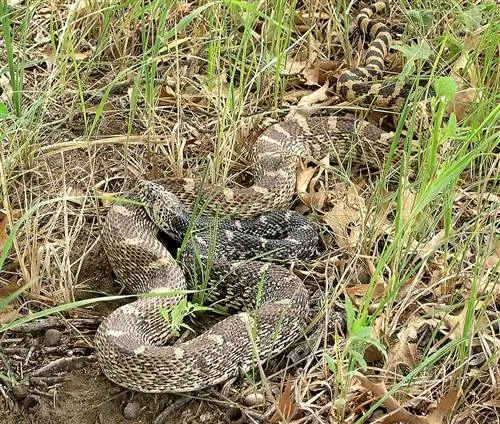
{"x": 254, "y": 399}
{"x": 52, "y": 337}
{"x": 131, "y": 410}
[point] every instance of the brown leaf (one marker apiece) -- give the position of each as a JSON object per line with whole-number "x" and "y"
{"x": 9, "y": 314}
{"x": 412, "y": 328}
{"x": 358, "y": 292}
{"x": 304, "y": 176}
{"x": 402, "y": 356}
{"x": 3, "y": 228}
{"x": 295, "y": 66}
{"x": 9, "y": 289}
{"x": 286, "y": 406}
{"x": 444, "y": 406}
{"x": 426, "y": 249}
{"x": 294, "y": 96}
{"x": 305, "y": 186}
{"x": 462, "y": 103}
{"x": 493, "y": 260}
{"x": 398, "y": 413}
{"x": 311, "y": 74}
{"x": 82, "y": 56}
{"x": 408, "y": 202}
{"x": 371, "y": 353}
{"x": 346, "y": 218}
{"x": 317, "y": 96}
{"x": 321, "y": 71}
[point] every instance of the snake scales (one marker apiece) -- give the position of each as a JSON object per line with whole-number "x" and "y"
{"x": 130, "y": 343}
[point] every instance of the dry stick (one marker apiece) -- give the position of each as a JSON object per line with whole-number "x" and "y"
{"x": 63, "y": 364}
{"x": 169, "y": 410}
{"x": 122, "y": 139}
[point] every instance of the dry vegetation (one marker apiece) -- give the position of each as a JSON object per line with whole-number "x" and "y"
{"x": 94, "y": 94}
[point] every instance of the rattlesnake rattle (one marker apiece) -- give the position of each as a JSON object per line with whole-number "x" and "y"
{"x": 130, "y": 342}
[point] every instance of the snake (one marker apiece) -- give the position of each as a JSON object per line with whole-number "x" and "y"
{"x": 238, "y": 256}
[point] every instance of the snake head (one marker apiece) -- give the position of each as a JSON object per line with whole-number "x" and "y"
{"x": 164, "y": 209}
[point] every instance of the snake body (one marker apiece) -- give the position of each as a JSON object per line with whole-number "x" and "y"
{"x": 130, "y": 342}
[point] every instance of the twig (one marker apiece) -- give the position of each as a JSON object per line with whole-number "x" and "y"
{"x": 169, "y": 410}
{"x": 63, "y": 364}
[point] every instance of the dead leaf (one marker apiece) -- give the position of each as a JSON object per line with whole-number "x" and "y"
{"x": 411, "y": 329}
{"x": 294, "y": 66}
{"x": 402, "y": 357}
{"x": 371, "y": 353}
{"x": 9, "y": 313}
{"x": 304, "y": 17}
{"x": 286, "y": 406}
{"x": 294, "y": 96}
{"x": 4, "y": 223}
{"x": 453, "y": 326}
{"x": 5, "y": 89}
{"x": 311, "y": 74}
{"x": 81, "y": 56}
{"x": 305, "y": 186}
{"x": 425, "y": 250}
{"x": 315, "y": 97}
{"x": 321, "y": 71}
{"x": 3, "y": 228}
{"x": 9, "y": 289}
{"x": 304, "y": 176}
{"x": 397, "y": 413}
{"x": 445, "y": 405}
{"x": 408, "y": 202}
{"x": 493, "y": 260}
{"x": 463, "y": 102}
{"x": 358, "y": 292}
{"x": 345, "y": 222}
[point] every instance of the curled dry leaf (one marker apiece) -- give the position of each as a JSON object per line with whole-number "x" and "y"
{"x": 5, "y": 89}
{"x": 294, "y": 96}
{"x": 371, "y": 353}
{"x": 398, "y": 414}
{"x": 346, "y": 217}
{"x": 424, "y": 250}
{"x": 286, "y": 405}
{"x": 317, "y": 96}
{"x": 408, "y": 202}
{"x": 358, "y": 292}
{"x": 345, "y": 222}
{"x": 9, "y": 289}
{"x": 4, "y": 224}
{"x": 411, "y": 329}
{"x": 305, "y": 186}
{"x": 304, "y": 176}
{"x": 493, "y": 261}
{"x": 303, "y": 108}
{"x": 402, "y": 357}
{"x": 462, "y": 103}
{"x": 453, "y": 326}
{"x": 295, "y": 65}
{"x": 320, "y": 71}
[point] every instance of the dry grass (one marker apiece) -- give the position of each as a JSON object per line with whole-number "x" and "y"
{"x": 94, "y": 95}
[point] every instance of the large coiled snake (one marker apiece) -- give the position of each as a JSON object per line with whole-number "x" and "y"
{"x": 130, "y": 342}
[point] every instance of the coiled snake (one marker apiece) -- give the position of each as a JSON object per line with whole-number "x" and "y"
{"x": 130, "y": 342}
